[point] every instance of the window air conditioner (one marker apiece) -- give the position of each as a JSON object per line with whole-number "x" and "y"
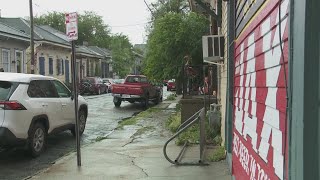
{"x": 213, "y": 48}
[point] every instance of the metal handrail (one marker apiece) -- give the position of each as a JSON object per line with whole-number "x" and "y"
{"x": 193, "y": 119}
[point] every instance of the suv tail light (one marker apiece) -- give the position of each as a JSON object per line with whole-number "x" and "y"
{"x": 11, "y": 105}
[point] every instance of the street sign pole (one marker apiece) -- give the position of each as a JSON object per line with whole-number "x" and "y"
{"x": 75, "y": 92}
{"x": 72, "y": 33}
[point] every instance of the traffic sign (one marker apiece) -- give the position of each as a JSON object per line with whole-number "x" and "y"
{"x": 72, "y": 26}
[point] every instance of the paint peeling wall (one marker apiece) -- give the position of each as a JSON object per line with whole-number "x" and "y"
{"x": 259, "y": 134}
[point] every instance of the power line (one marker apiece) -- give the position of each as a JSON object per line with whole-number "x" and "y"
{"x": 127, "y": 25}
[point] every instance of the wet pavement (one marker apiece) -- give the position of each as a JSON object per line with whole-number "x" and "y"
{"x": 102, "y": 120}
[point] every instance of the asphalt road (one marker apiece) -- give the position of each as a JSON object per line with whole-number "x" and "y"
{"x": 103, "y": 118}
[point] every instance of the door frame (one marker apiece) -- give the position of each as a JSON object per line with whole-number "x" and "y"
{"x": 9, "y": 59}
{"x": 22, "y": 63}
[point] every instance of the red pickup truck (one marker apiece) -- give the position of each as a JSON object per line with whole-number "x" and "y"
{"x": 136, "y": 88}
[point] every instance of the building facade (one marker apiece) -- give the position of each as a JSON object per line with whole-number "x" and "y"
{"x": 13, "y": 45}
{"x": 270, "y": 115}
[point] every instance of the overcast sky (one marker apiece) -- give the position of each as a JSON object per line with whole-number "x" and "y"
{"x": 124, "y": 16}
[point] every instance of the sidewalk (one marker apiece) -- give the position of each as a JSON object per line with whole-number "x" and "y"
{"x": 132, "y": 154}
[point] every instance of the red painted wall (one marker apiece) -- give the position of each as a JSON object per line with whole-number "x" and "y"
{"x": 259, "y": 133}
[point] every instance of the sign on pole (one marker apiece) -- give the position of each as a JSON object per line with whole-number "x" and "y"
{"x": 72, "y": 33}
{"x": 72, "y": 26}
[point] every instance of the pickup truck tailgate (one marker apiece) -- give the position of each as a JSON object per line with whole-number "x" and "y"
{"x": 129, "y": 89}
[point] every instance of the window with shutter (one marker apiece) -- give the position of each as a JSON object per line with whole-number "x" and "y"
{"x": 58, "y": 67}
{"x": 50, "y": 66}
{"x": 62, "y": 67}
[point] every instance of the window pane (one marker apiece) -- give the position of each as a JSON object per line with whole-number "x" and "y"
{"x": 34, "y": 90}
{"x": 4, "y": 90}
{"x": 58, "y": 67}
{"x": 62, "y": 66}
{"x": 50, "y": 66}
{"x": 19, "y": 61}
{"x": 41, "y": 89}
{"x": 61, "y": 89}
{"x": 6, "y": 60}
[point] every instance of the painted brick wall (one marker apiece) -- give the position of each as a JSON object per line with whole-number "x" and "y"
{"x": 259, "y": 135}
{"x": 55, "y": 54}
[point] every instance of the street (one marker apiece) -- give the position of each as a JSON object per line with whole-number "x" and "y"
{"x": 102, "y": 120}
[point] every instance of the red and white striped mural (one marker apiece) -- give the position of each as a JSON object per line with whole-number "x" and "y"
{"x": 259, "y": 133}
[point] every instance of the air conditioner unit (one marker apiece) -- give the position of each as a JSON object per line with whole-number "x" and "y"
{"x": 213, "y": 48}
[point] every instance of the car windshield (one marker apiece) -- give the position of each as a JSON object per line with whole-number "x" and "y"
{"x": 118, "y": 81}
{"x": 5, "y": 87}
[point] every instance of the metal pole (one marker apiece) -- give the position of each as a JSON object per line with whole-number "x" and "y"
{"x": 31, "y": 37}
{"x": 75, "y": 93}
{"x": 202, "y": 116}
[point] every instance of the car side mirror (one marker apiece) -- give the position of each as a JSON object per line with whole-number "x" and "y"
{"x": 72, "y": 96}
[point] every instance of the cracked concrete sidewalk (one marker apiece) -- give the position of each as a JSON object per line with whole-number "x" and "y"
{"x": 124, "y": 156}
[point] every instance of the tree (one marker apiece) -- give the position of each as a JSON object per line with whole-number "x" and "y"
{"x": 162, "y": 7}
{"x": 91, "y": 27}
{"x": 122, "y": 55}
{"x": 54, "y": 19}
{"x": 174, "y": 36}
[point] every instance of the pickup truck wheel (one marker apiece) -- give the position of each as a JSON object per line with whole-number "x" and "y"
{"x": 117, "y": 102}
{"x": 146, "y": 102}
{"x": 157, "y": 100}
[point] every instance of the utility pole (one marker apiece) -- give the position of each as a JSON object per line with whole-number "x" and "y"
{"x": 31, "y": 37}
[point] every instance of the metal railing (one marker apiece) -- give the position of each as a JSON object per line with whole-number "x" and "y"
{"x": 198, "y": 116}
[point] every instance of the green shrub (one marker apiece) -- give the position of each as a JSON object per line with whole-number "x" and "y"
{"x": 126, "y": 122}
{"x": 218, "y": 154}
{"x": 192, "y": 134}
{"x": 174, "y": 122}
{"x": 171, "y": 97}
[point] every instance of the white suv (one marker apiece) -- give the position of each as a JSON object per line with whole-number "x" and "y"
{"x": 33, "y": 106}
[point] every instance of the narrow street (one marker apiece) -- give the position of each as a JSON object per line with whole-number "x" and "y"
{"x": 102, "y": 120}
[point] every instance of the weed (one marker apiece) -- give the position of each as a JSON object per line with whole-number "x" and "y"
{"x": 171, "y": 97}
{"x": 100, "y": 138}
{"x": 143, "y": 130}
{"x": 147, "y": 113}
{"x": 178, "y": 107}
{"x": 134, "y": 120}
{"x": 218, "y": 154}
{"x": 191, "y": 134}
{"x": 174, "y": 122}
{"x": 217, "y": 140}
{"x": 131, "y": 121}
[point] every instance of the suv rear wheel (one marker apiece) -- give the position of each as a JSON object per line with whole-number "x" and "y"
{"x": 37, "y": 139}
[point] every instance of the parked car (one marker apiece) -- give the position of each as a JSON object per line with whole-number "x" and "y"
{"x": 108, "y": 82}
{"x": 118, "y": 81}
{"x": 171, "y": 85}
{"x": 165, "y": 82}
{"x": 92, "y": 85}
{"x": 34, "y": 106}
{"x": 136, "y": 88}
